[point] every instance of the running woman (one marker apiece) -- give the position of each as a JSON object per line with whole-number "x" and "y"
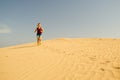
{"x": 39, "y": 31}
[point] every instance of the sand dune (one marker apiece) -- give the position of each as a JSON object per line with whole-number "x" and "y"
{"x": 62, "y": 59}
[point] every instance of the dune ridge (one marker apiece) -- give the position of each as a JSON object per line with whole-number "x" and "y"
{"x": 62, "y": 59}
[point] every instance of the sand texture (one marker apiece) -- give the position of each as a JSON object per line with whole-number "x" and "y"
{"x": 62, "y": 59}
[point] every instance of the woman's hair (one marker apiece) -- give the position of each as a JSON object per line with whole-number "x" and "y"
{"x": 38, "y": 25}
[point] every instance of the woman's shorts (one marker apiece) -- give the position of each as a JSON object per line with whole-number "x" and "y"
{"x": 38, "y": 35}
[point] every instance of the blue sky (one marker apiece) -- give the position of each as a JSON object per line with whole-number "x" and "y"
{"x": 59, "y": 18}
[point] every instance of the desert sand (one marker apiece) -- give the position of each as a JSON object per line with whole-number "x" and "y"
{"x": 62, "y": 59}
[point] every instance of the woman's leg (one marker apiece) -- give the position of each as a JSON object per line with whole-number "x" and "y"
{"x": 38, "y": 40}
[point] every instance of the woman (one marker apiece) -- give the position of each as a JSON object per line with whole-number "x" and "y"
{"x": 39, "y": 31}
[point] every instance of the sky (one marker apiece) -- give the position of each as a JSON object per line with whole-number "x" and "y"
{"x": 59, "y": 18}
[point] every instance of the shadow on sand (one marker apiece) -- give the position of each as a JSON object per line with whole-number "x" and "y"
{"x": 23, "y": 47}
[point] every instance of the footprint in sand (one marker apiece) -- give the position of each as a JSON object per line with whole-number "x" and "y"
{"x": 102, "y": 69}
{"x": 105, "y": 62}
{"x": 116, "y": 67}
{"x": 6, "y": 56}
{"x": 100, "y": 39}
{"x": 93, "y": 58}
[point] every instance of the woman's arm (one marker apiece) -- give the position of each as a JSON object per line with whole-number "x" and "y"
{"x": 42, "y": 29}
{"x": 35, "y": 30}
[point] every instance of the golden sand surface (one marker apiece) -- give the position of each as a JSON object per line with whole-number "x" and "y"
{"x": 62, "y": 59}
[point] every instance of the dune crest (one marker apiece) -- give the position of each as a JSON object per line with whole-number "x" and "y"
{"x": 62, "y": 59}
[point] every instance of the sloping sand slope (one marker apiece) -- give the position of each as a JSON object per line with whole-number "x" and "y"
{"x": 62, "y": 59}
